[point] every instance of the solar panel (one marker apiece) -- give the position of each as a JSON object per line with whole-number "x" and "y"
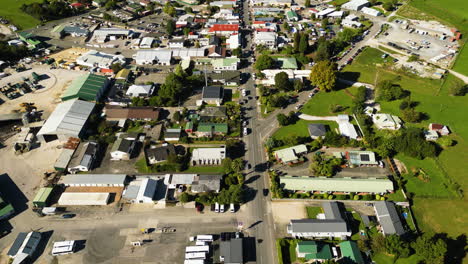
{"x": 365, "y": 157}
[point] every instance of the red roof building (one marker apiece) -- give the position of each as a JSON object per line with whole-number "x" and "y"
{"x": 224, "y": 29}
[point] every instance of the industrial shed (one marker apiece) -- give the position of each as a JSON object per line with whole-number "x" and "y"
{"x": 64, "y": 159}
{"x": 90, "y": 87}
{"x": 68, "y": 120}
{"x": 95, "y": 180}
{"x": 42, "y": 197}
{"x": 84, "y": 198}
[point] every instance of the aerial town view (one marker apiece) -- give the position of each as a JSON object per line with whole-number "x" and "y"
{"x": 233, "y": 131}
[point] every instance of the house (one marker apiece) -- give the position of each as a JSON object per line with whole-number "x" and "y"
{"x": 371, "y": 11}
{"x": 84, "y": 157}
{"x": 227, "y": 78}
{"x": 212, "y": 95}
{"x": 346, "y": 128}
{"x": 176, "y": 43}
{"x": 226, "y": 64}
{"x": 267, "y": 39}
{"x": 208, "y": 156}
{"x": 350, "y": 253}
{"x": 346, "y": 185}
{"x": 211, "y": 129}
{"x": 160, "y": 154}
{"x": 233, "y": 42}
{"x": 216, "y": 52}
{"x": 207, "y": 183}
{"x": 389, "y": 219}
{"x": 315, "y": 251}
{"x": 117, "y": 113}
{"x": 140, "y": 90}
{"x": 69, "y": 119}
{"x": 287, "y": 63}
{"x": 146, "y": 43}
{"x": 97, "y": 59}
{"x": 351, "y": 21}
{"x": 355, "y": 5}
{"x": 89, "y": 87}
{"x": 24, "y": 246}
{"x": 141, "y": 190}
{"x": 94, "y": 180}
{"x": 123, "y": 147}
{"x": 224, "y": 29}
{"x": 292, "y": 16}
{"x": 317, "y": 130}
{"x": 431, "y": 135}
{"x": 386, "y": 121}
{"x": 172, "y": 134}
{"x": 231, "y": 251}
{"x": 214, "y": 112}
{"x": 361, "y": 158}
{"x": 441, "y": 129}
{"x": 291, "y": 154}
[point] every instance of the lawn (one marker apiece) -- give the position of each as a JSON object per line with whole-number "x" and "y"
{"x": 300, "y": 129}
{"x": 319, "y": 105}
{"x": 141, "y": 166}
{"x": 312, "y": 212}
{"x": 204, "y": 169}
{"x": 360, "y": 71}
{"x": 386, "y": 259}
{"x": 11, "y": 10}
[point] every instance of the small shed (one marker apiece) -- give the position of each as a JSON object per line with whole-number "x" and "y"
{"x": 42, "y": 197}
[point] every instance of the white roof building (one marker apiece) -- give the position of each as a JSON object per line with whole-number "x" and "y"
{"x": 161, "y": 57}
{"x": 101, "y": 35}
{"x": 291, "y": 154}
{"x": 98, "y": 59}
{"x": 371, "y": 11}
{"x": 292, "y": 74}
{"x": 96, "y": 180}
{"x": 140, "y": 90}
{"x": 346, "y": 128}
{"x": 351, "y": 21}
{"x": 355, "y": 4}
{"x": 386, "y": 121}
{"x": 84, "y": 198}
{"x": 141, "y": 191}
{"x": 208, "y": 156}
{"x": 146, "y": 43}
{"x": 325, "y": 12}
{"x": 265, "y": 38}
{"x": 233, "y": 42}
{"x": 67, "y": 120}
{"x": 336, "y": 14}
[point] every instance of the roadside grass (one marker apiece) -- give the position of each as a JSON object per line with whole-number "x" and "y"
{"x": 300, "y": 129}
{"x": 312, "y": 212}
{"x": 319, "y": 105}
{"x": 338, "y": 2}
{"x": 11, "y": 10}
{"x": 387, "y": 50}
{"x": 204, "y": 169}
{"x": 461, "y": 64}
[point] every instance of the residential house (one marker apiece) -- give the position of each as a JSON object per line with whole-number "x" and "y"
{"x": 123, "y": 148}
{"x": 211, "y": 129}
{"x": 227, "y": 78}
{"x": 207, "y": 183}
{"x": 216, "y": 52}
{"x": 226, "y": 64}
{"x": 389, "y": 219}
{"x": 212, "y": 95}
{"x": 441, "y": 129}
{"x": 287, "y": 63}
{"x": 176, "y": 43}
{"x": 172, "y": 134}
{"x": 361, "y": 158}
{"x": 208, "y": 156}
{"x": 231, "y": 251}
{"x": 386, "y": 121}
{"x": 317, "y": 130}
{"x": 117, "y": 113}
{"x": 84, "y": 157}
{"x": 340, "y": 185}
{"x": 318, "y": 228}
{"x": 355, "y": 5}
{"x": 267, "y": 39}
{"x": 291, "y": 154}
{"x": 140, "y": 90}
{"x": 24, "y": 247}
{"x": 292, "y": 16}
{"x": 431, "y": 135}
{"x": 160, "y": 154}
{"x": 350, "y": 253}
{"x": 314, "y": 251}
{"x": 346, "y": 128}
{"x": 209, "y": 113}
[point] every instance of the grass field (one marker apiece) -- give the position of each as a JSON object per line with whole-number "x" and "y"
{"x": 319, "y": 105}
{"x": 204, "y": 169}
{"x": 312, "y": 212}
{"x": 11, "y": 10}
{"x": 386, "y": 259}
{"x": 300, "y": 129}
{"x": 451, "y": 12}
{"x": 359, "y": 69}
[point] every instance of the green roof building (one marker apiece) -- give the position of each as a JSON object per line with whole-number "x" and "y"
{"x": 292, "y": 16}
{"x": 90, "y": 87}
{"x": 189, "y": 127}
{"x": 287, "y": 63}
{"x": 313, "y": 250}
{"x": 30, "y": 39}
{"x": 42, "y": 197}
{"x": 210, "y": 129}
{"x": 322, "y": 184}
{"x": 350, "y": 253}
{"x": 6, "y": 209}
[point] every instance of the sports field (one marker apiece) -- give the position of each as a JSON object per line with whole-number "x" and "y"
{"x": 10, "y": 9}
{"x": 451, "y": 12}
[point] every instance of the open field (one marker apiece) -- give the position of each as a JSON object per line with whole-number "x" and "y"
{"x": 11, "y": 11}
{"x": 451, "y": 12}
{"x": 359, "y": 69}
{"x": 319, "y": 105}
{"x": 300, "y": 129}
{"x": 386, "y": 259}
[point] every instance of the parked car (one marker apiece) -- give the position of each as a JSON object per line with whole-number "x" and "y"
{"x": 232, "y": 208}
{"x": 66, "y": 216}
{"x": 221, "y": 208}
{"x": 216, "y": 207}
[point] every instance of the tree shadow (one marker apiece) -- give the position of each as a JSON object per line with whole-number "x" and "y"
{"x": 456, "y": 248}
{"x": 12, "y": 194}
{"x": 249, "y": 194}
{"x": 252, "y": 179}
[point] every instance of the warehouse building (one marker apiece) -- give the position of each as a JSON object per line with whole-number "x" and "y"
{"x": 68, "y": 120}
{"x": 96, "y": 180}
{"x": 24, "y": 247}
{"x": 83, "y": 198}
{"x": 141, "y": 191}
{"x": 355, "y": 5}
{"x": 159, "y": 57}
{"x": 96, "y": 59}
{"x": 90, "y": 87}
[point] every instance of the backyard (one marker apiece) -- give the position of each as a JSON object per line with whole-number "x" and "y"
{"x": 300, "y": 129}
{"x": 312, "y": 212}
{"x": 319, "y": 105}
{"x": 11, "y": 11}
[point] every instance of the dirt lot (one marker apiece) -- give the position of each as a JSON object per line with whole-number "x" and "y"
{"x": 46, "y": 98}
{"x": 117, "y": 190}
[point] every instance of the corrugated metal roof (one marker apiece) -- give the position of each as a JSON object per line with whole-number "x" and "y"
{"x": 43, "y": 194}
{"x": 337, "y": 184}
{"x": 389, "y": 218}
{"x": 318, "y": 225}
{"x": 87, "y": 87}
{"x": 94, "y": 179}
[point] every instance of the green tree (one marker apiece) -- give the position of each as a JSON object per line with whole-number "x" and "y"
{"x": 188, "y": 9}
{"x": 445, "y": 141}
{"x": 185, "y": 198}
{"x": 186, "y": 31}
{"x": 282, "y": 119}
{"x": 388, "y": 91}
{"x": 346, "y": 35}
{"x": 458, "y": 88}
{"x": 430, "y": 248}
{"x": 323, "y": 50}
{"x": 378, "y": 243}
{"x": 304, "y": 43}
{"x": 264, "y": 62}
{"x": 307, "y": 3}
{"x": 388, "y": 6}
{"x": 237, "y": 52}
{"x": 176, "y": 116}
{"x": 227, "y": 165}
{"x": 323, "y": 75}
{"x": 282, "y": 82}
{"x": 298, "y": 85}
{"x": 411, "y": 116}
{"x": 296, "y": 41}
{"x": 396, "y": 246}
{"x": 237, "y": 165}
{"x": 286, "y": 26}
{"x": 170, "y": 27}
{"x": 116, "y": 67}
{"x": 169, "y": 9}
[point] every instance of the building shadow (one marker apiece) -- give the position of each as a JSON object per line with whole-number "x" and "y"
{"x": 12, "y": 194}
{"x": 45, "y": 237}
{"x": 249, "y": 249}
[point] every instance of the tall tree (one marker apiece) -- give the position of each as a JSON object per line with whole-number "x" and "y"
{"x": 304, "y": 43}
{"x": 297, "y": 40}
{"x": 430, "y": 248}
{"x": 323, "y": 75}
{"x": 323, "y": 50}
{"x": 282, "y": 82}
{"x": 307, "y": 3}
{"x": 170, "y": 27}
{"x": 264, "y": 62}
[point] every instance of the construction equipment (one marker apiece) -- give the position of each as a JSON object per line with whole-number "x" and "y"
{"x": 28, "y": 107}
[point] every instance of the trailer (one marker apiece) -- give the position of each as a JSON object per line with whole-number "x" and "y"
{"x": 195, "y": 255}
{"x": 204, "y": 238}
{"x": 194, "y": 261}
{"x": 192, "y": 249}
{"x": 63, "y": 247}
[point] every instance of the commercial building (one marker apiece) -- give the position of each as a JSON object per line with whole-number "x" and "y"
{"x": 234, "y": 41}
{"x": 226, "y": 64}
{"x": 351, "y": 21}
{"x": 104, "y": 34}
{"x": 267, "y": 39}
{"x": 97, "y": 59}
{"x": 199, "y": 183}
{"x": 141, "y": 190}
{"x": 227, "y": 78}
{"x": 83, "y": 198}
{"x": 208, "y": 156}
{"x": 292, "y": 74}
{"x": 389, "y": 219}
{"x": 94, "y": 180}
{"x": 67, "y": 120}
{"x": 224, "y": 29}
{"x": 159, "y": 57}
{"x": 139, "y": 90}
{"x": 63, "y": 30}
{"x": 231, "y": 251}
{"x": 84, "y": 157}
{"x": 291, "y": 154}
{"x": 321, "y": 184}
{"x": 212, "y": 95}
{"x": 355, "y": 5}
{"x": 24, "y": 246}
{"x": 117, "y": 113}
{"x": 146, "y": 43}
{"x": 89, "y": 87}
{"x": 371, "y": 11}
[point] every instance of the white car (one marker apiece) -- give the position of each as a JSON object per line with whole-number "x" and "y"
{"x": 311, "y": 94}
{"x": 221, "y": 208}
{"x": 216, "y": 207}
{"x": 298, "y": 107}
{"x": 246, "y": 131}
{"x": 232, "y": 208}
